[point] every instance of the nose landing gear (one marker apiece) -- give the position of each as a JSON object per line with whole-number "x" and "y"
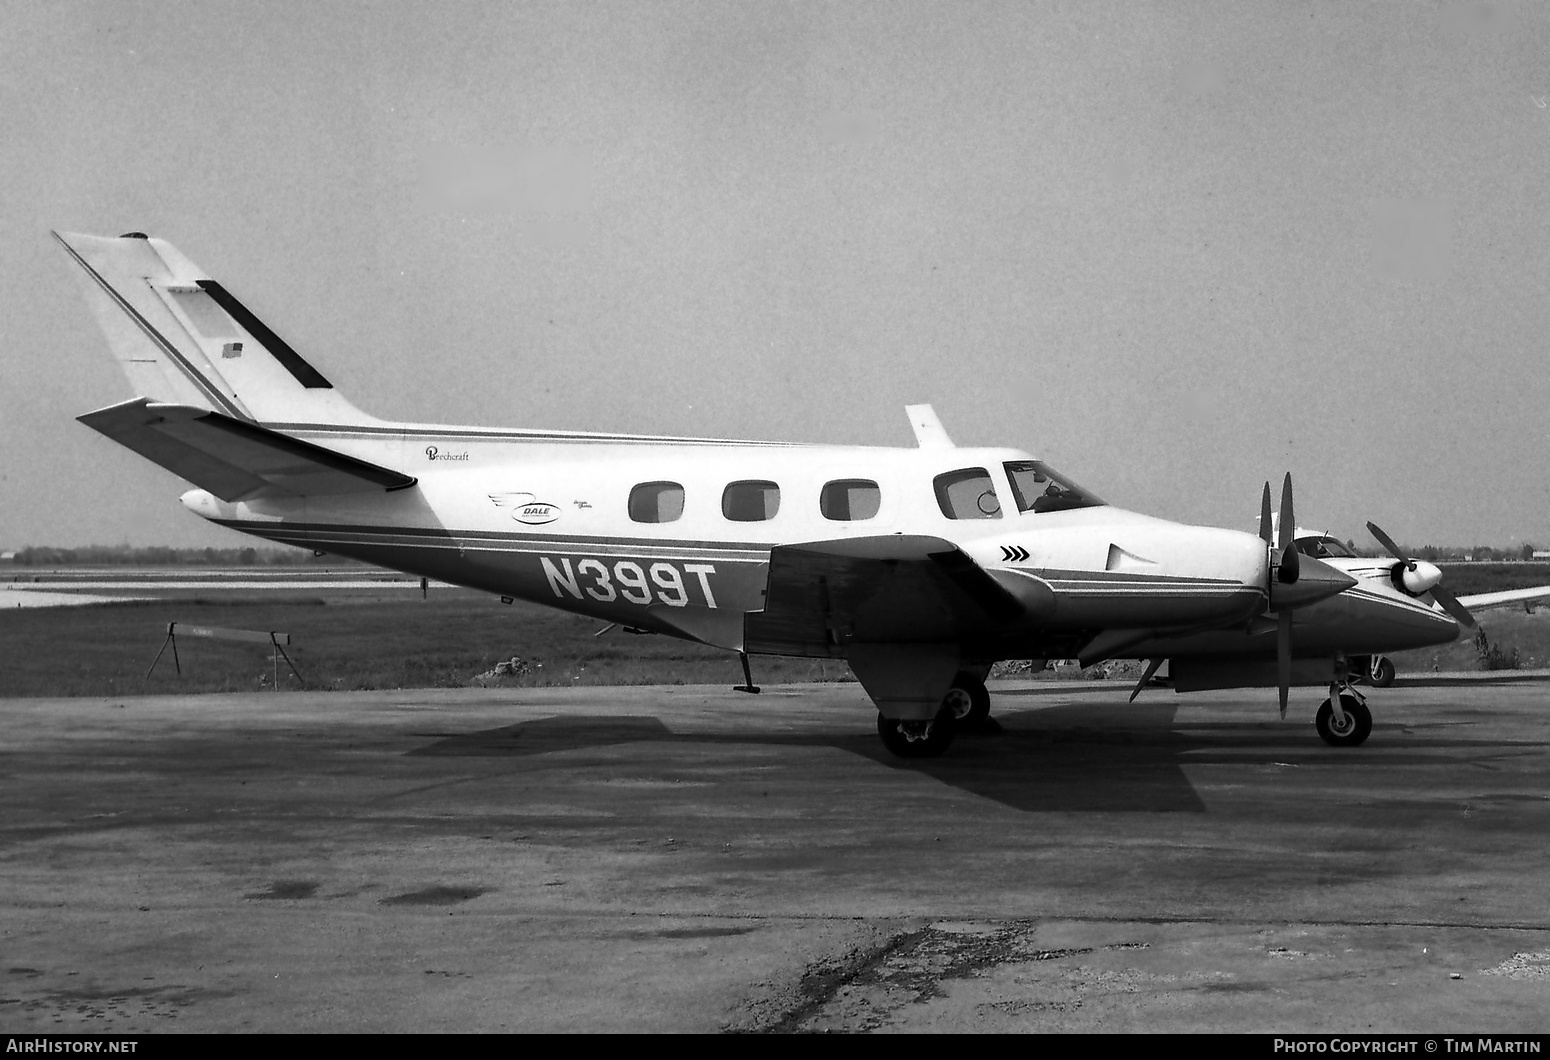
{"x": 1343, "y": 719}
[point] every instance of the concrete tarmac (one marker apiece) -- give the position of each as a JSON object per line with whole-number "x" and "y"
{"x": 694, "y": 859}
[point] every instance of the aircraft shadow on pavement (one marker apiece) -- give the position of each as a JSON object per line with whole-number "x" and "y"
{"x": 1069, "y": 757}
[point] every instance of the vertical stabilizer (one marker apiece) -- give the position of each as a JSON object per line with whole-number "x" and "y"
{"x": 182, "y": 338}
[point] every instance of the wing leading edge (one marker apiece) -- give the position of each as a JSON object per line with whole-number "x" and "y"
{"x": 1503, "y": 598}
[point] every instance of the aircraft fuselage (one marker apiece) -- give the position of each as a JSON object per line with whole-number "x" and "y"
{"x": 548, "y": 518}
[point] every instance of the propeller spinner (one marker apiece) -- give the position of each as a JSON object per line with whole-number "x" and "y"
{"x": 1417, "y": 577}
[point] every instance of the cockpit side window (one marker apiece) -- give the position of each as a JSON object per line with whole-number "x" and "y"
{"x": 1325, "y": 547}
{"x": 1038, "y": 488}
{"x": 968, "y": 494}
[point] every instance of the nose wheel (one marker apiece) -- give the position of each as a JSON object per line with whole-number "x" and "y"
{"x": 1350, "y": 727}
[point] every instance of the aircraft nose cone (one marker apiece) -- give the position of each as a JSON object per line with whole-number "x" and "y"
{"x": 1316, "y": 580}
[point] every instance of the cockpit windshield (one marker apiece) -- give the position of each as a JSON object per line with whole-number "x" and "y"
{"x": 1323, "y": 547}
{"x": 1039, "y": 489}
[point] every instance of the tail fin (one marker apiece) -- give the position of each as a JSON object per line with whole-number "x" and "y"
{"x": 182, "y": 338}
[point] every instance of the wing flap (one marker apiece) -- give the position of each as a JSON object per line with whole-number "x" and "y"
{"x": 233, "y": 458}
{"x": 906, "y": 589}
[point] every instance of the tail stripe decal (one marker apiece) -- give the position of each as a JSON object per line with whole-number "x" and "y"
{"x": 305, "y": 374}
{"x": 193, "y": 374}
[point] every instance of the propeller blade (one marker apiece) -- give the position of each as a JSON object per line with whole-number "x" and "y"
{"x": 1284, "y": 657}
{"x": 1288, "y": 527}
{"x": 1443, "y": 596}
{"x": 1388, "y": 542}
{"x": 1451, "y": 605}
{"x": 1264, "y": 517}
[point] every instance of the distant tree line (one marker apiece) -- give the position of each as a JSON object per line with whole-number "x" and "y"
{"x": 162, "y": 556}
{"x": 1479, "y": 554}
{"x": 1454, "y": 553}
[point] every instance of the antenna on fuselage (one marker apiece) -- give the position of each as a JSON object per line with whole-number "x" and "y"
{"x": 929, "y": 432}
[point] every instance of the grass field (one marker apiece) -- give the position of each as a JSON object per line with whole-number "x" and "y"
{"x": 349, "y": 640}
{"x": 392, "y": 638}
{"x": 1466, "y": 578}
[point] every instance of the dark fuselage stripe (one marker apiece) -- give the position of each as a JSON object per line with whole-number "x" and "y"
{"x": 495, "y": 537}
{"x": 484, "y": 542}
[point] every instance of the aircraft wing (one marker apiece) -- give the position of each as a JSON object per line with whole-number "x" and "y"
{"x": 234, "y": 458}
{"x": 895, "y": 589}
{"x": 1504, "y": 598}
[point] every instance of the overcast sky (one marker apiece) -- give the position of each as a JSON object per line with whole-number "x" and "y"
{"x": 1175, "y": 249}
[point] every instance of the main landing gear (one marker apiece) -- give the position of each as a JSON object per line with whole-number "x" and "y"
{"x": 918, "y": 739}
{"x": 1350, "y": 725}
{"x": 969, "y": 700}
{"x": 966, "y": 706}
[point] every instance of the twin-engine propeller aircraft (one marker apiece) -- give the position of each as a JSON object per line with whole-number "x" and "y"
{"x": 919, "y": 567}
{"x": 1413, "y": 577}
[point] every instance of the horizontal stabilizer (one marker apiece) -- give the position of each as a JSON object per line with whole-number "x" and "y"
{"x": 235, "y": 459}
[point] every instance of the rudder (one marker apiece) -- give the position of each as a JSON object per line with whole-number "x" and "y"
{"x": 182, "y": 338}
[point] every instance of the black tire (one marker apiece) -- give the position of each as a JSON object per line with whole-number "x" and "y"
{"x": 969, "y": 700}
{"x": 1381, "y": 673}
{"x": 1357, "y": 728}
{"x": 918, "y": 739}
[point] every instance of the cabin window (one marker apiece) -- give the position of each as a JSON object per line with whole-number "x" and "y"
{"x": 750, "y": 501}
{"x": 1038, "y": 488}
{"x": 656, "y": 502}
{"x": 849, "y": 499}
{"x": 968, "y": 494}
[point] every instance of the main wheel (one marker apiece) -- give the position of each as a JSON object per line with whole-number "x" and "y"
{"x": 1381, "y": 673}
{"x": 969, "y": 700}
{"x": 1356, "y": 728}
{"x": 918, "y": 739}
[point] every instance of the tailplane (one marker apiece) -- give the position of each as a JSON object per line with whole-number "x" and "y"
{"x": 182, "y": 339}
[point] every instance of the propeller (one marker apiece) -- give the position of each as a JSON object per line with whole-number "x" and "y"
{"x": 1295, "y": 580}
{"x": 1287, "y": 572}
{"x": 1417, "y": 577}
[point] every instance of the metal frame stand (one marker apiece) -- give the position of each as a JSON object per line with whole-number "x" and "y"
{"x": 747, "y": 685}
